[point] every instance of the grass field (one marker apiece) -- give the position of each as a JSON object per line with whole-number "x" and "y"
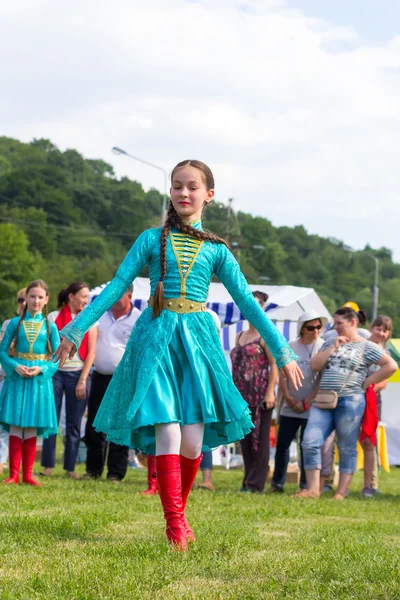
{"x": 94, "y": 540}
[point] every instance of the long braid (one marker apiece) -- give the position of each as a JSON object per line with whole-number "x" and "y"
{"x": 13, "y": 346}
{"x": 158, "y": 298}
{"x": 173, "y": 220}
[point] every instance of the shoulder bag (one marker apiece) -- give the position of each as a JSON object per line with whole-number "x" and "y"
{"x": 328, "y": 399}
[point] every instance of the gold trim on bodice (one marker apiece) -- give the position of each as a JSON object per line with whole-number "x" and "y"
{"x": 186, "y": 250}
{"x": 32, "y": 330}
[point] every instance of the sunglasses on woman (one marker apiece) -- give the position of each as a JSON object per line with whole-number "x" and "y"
{"x": 313, "y": 327}
{"x": 21, "y": 300}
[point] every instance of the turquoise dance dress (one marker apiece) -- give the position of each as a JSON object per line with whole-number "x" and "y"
{"x": 29, "y": 402}
{"x": 174, "y": 368}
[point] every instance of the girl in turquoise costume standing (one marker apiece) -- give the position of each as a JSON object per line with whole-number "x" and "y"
{"x": 27, "y": 407}
{"x": 172, "y": 392}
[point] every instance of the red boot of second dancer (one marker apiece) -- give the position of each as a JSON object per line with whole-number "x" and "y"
{"x": 28, "y": 458}
{"x": 151, "y": 476}
{"x": 15, "y": 451}
{"x": 189, "y": 468}
{"x": 170, "y": 491}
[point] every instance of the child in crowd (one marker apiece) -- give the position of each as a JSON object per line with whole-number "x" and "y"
{"x": 27, "y": 407}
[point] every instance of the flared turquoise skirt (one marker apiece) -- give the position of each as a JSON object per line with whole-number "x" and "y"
{"x": 29, "y": 402}
{"x": 173, "y": 370}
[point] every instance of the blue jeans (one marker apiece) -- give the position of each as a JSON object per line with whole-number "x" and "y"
{"x": 346, "y": 419}
{"x": 66, "y": 382}
{"x": 206, "y": 461}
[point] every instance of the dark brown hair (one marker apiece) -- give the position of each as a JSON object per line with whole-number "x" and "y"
{"x": 13, "y": 346}
{"x": 348, "y": 314}
{"x": 173, "y": 220}
{"x": 260, "y": 295}
{"x": 73, "y": 289}
{"x": 383, "y": 321}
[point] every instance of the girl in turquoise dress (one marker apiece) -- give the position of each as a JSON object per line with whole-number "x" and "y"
{"x": 172, "y": 392}
{"x": 27, "y": 406}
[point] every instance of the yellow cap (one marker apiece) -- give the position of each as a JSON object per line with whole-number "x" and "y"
{"x": 352, "y": 305}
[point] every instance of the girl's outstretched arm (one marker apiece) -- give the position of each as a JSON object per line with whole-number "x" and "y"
{"x": 133, "y": 263}
{"x": 228, "y": 271}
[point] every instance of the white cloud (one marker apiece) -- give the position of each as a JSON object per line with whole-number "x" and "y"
{"x": 298, "y": 118}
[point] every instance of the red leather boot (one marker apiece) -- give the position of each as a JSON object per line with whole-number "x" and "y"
{"x": 151, "y": 476}
{"x": 15, "y": 451}
{"x": 28, "y": 458}
{"x": 189, "y": 468}
{"x": 170, "y": 491}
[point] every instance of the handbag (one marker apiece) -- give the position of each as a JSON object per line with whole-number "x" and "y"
{"x": 328, "y": 399}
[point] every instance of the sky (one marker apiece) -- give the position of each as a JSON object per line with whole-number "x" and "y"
{"x": 294, "y": 104}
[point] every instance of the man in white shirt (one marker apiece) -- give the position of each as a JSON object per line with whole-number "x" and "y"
{"x": 114, "y": 329}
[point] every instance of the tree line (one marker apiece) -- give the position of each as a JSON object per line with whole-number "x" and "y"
{"x": 64, "y": 217}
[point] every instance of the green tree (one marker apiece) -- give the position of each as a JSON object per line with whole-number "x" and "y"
{"x": 18, "y": 266}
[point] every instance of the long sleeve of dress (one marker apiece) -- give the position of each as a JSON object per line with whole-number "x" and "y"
{"x": 9, "y": 364}
{"x": 228, "y": 271}
{"x": 129, "y": 269}
{"x": 49, "y": 368}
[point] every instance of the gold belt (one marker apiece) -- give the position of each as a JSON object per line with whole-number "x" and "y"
{"x": 181, "y": 305}
{"x": 30, "y": 356}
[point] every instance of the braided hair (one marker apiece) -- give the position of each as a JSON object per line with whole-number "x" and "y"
{"x": 173, "y": 220}
{"x": 13, "y": 346}
{"x": 12, "y": 350}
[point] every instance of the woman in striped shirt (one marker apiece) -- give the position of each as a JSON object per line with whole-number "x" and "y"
{"x": 344, "y": 365}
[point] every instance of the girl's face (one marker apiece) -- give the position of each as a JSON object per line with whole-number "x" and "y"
{"x": 36, "y": 300}
{"x": 78, "y": 301}
{"x": 380, "y": 335}
{"x": 189, "y": 193}
{"x": 343, "y": 326}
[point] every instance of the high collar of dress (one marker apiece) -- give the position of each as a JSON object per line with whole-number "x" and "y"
{"x": 196, "y": 225}
{"x": 37, "y": 317}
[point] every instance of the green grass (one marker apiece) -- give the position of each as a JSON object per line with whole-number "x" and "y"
{"x": 93, "y": 540}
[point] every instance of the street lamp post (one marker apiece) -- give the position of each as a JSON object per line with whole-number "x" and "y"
{"x": 117, "y": 150}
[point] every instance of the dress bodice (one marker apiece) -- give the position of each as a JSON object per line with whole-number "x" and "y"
{"x": 32, "y": 335}
{"x": 31, "y": 344}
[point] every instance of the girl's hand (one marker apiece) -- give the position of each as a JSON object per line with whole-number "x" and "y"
{"x": 65, "y": 350}
{"x": 35, "y": 371}
{"x": 23, "y": 371}
{"x": 80, "y": 390}
{"x": 340, "y": 340}
{"x": 293, "y": 373}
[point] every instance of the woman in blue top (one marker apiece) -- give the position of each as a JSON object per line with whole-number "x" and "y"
{"x": 27, "y": 406}
{"x": 172, "y": 392}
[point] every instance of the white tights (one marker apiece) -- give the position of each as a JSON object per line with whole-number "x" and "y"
{"x": 26, "y": 434}
{"x": 171, "y": 438}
